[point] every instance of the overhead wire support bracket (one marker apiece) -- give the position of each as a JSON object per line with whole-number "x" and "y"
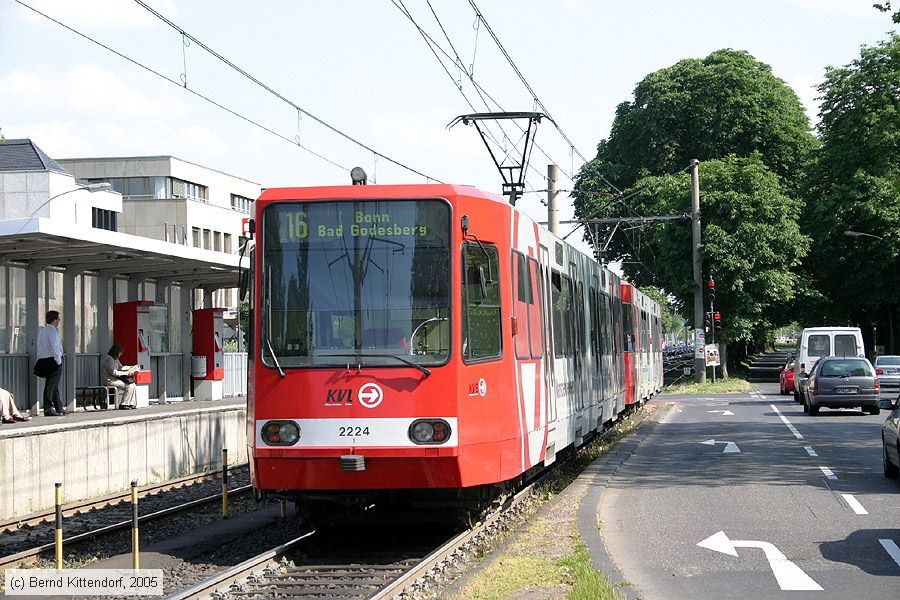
{"x": 513, "y": 175}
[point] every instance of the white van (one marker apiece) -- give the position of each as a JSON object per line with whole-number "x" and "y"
{"x": 816, "y": 342}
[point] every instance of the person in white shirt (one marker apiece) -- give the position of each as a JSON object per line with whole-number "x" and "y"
{"x": 49, "y": 354}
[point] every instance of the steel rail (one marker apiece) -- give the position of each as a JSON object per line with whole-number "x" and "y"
{"x": 236, "y": 573}
{"x": 14, "y": 558}
{"x": 78, "y": 506}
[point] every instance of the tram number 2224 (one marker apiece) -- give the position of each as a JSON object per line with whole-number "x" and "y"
{"x": 353, "y": 431}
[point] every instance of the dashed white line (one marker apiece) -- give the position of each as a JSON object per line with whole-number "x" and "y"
{"x": 857, "y": 507}
{"x": 829, "y": 474}
{"x": 810, "y": 451}
{"x": 786, "y": 422}
{"x": 892, "y": 549}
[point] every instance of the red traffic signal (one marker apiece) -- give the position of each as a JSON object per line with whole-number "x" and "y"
{"x": 712, "y": 283}
{"x": 717, "y": 316}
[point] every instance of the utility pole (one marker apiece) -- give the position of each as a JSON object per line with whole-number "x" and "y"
{"x": 552, "y": 193}
{"x": 699, "y": 337}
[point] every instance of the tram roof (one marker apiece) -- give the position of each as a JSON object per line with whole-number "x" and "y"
{"x": 375, "y": 191}
{"x": 41, "y": 243}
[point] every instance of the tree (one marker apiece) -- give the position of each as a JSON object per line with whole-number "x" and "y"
{"x": 886, "y": 7}
{"x": 726, "y": 103}
{"x": 855, "y": 185}
{"x": 752, "y": 241}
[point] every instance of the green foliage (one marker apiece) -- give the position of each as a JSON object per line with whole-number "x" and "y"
{"x": 886, "y": 7}
{"x": 726, "y": 103}
{"x": 751, "y": 242}
{"x": 855, "y": 185}
{"x": 728, "y": 385}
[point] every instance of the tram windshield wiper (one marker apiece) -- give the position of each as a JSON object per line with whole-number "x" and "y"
{"x": 405, "y": 361}
{"x": 274, "y": 358}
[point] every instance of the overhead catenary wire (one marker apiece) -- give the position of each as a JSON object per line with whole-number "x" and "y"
{"x": 531, "y": 91}
{"x": 457, "y": 61}
{"x": 181, "y": 85}
{"x": 278, "y": 95}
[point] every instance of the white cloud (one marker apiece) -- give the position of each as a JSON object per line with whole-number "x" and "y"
{"x": 85, "y": 90}
{"x": 860, "y": 9}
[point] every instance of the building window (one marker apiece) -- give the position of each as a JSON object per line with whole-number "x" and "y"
{"x": 206, "y": 238}
{"x": 190, "y": 190}
{"x": 217, "y": 241}
{"x": 240, "y": 203}
{"x": 195, "y": 237}
{"x": 226, "y": 243}
{"x": 104, "y": 219}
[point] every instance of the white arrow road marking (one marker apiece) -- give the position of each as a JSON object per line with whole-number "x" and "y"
{"x": 786, "y": 422}
{"x": 828, "y": 473}
{"x": 725, "y": 413}
{"x": 810, "y": 451}
{"x": 855, "y": 504}
{"x": 790, "y": 577}
{"x": 892, "y": 549}
{"x": 730, "y": 447}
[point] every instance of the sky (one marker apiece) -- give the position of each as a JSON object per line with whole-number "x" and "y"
{"x": 329, "y": 70}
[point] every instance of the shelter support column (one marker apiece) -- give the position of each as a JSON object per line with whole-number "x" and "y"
{"x": 68, "y": 340}
{"x": 103, "y": 328}
{"x": 34, "y": 318}
{"x": 162, "y": 372}
{"x": 187, "y": 339}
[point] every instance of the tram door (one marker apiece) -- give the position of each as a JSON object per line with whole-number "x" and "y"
{"x": 549, "y": 373}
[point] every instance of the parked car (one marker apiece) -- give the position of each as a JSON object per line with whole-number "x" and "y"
{"x": 786, "y": 378}
{"x": 887, "y": 369}
{"x": 815, "y": 342}
{"x": 841, "y": 382}
{"x": 890, "y": 437}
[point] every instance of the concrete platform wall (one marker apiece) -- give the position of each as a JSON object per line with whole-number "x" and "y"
{"x": 92, "y": 458}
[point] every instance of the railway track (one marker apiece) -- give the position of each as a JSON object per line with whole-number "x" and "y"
{"x": 29, "y": 536}
{"x": 371, "y": 567}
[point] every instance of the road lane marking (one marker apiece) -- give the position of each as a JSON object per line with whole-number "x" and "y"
{"x": 788, "y": 423}
{"x": 810, "y": 451}
{"x": 892, "y": 549}
{"x": 854, "y": 504}
{"x": 725, "y": 413}
{"x": 790, "y": 577}
{"x": 730, "y": 447}
{"x": 829, "y": 473}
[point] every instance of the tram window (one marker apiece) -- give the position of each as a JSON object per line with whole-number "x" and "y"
{"x": 562, "y": 314}
{"x": 522, "y": 301}
{"x": 628, "y": 327}
{"x": 481, "y": 302}
{"x": 535, "y": 322}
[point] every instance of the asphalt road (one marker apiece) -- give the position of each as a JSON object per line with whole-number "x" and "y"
{"x": 795, "y": 513}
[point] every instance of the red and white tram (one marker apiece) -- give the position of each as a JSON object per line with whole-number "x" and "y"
{"x": 427, "y": 346}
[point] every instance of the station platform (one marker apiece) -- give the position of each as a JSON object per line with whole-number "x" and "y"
{"x": 96, "y": 452}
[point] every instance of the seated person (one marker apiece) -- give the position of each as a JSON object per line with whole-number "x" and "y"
{"x": 111, "y": 371}
{"x": 8, "y": 411}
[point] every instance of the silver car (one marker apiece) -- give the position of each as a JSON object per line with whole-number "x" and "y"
{"x": 841, "y": 382}
{"x": 887, "y": 369}
{"x": 890, "y": 438}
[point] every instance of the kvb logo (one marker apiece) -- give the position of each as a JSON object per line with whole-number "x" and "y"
{"x": 370, "y": 395}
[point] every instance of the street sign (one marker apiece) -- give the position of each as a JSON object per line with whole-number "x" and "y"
{"x": 712, "y": 355}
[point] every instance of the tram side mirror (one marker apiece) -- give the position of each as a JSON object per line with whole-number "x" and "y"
{"x": 887, "y": 404}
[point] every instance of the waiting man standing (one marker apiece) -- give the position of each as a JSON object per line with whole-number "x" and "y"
{"x": 49, "y": 348}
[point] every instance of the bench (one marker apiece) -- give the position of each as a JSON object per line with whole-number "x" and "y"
{"x": 98, "y": 396}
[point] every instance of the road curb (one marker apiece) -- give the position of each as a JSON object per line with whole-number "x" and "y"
{"x": 598, "y": 475}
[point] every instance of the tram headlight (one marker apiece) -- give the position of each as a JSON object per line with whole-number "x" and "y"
{"x": 280, "y": 433}
{"x": 429, "y": 431}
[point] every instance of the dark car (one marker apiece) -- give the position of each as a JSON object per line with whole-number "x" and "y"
{"x": 890, "y": 437}
{"x": 841, "y": 382}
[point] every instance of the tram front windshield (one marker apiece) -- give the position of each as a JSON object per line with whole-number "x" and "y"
{"x": 355, "y": 283}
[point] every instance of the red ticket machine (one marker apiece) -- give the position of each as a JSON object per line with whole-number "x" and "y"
{"x": 131, "y": 328}
{"x": 208, "y": 364}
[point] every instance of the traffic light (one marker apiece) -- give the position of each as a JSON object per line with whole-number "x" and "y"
{"x": 712, "y": 290}
{"x": 718, "y": 317}
{"x": 707, "y": 320}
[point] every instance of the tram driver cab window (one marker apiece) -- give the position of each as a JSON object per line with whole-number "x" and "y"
{"x": 481, "y": 302}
